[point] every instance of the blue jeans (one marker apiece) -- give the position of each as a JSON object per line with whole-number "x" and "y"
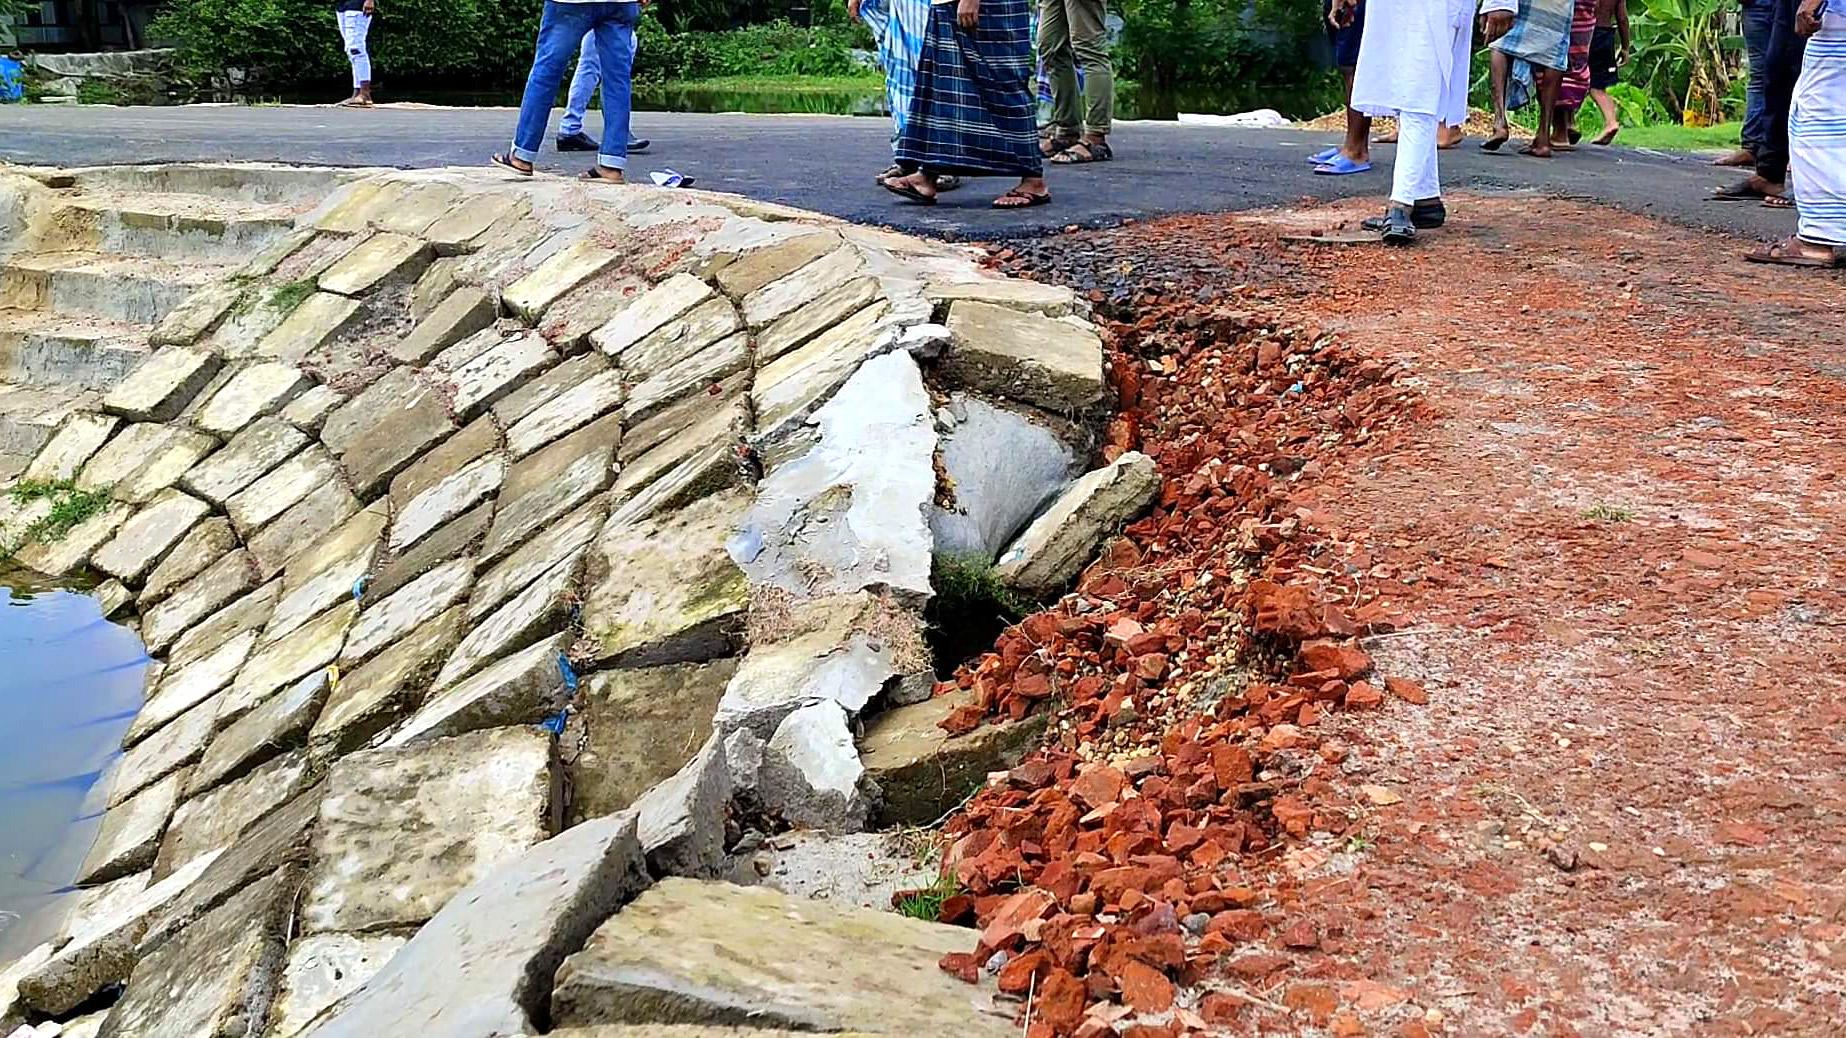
{"x": 583, "y": 84}
{"x": 560, "y": 35}
{"x": 1758, "y": 21}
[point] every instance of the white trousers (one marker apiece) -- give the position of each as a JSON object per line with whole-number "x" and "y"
{"x": 354, "y": 25}
{"x": 1413, "y": 174}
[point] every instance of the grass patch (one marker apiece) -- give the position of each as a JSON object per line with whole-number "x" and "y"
{"x": 926, "y": 904}
{"x": 970, "y": 583}
{"x": 1608, "y": 514}
{"x": 776, "y": 84}
{"x": 70, "y": 506}
{"x": 287, "y": 297}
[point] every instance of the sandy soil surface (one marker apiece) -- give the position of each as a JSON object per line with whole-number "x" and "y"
{"x": 1508, "y": 565}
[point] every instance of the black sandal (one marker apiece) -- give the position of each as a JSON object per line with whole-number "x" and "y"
{"x": 1032, "y": 201}
{"x": 907, "y": 192}
{"x": 1742, "y": 191}
{"x": 505, "y": 161}
{"x": 1097, "y": 152}
{"x": 891, "y": 172}
{"x": 1052, "y": 147}
{"x": 592, "y": 175}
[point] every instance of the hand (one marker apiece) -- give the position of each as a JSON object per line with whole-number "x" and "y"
{"x": 852, "y": 7}
{"x": 968, "y": 13}
{"x": 1496, "y": 24}
{"x": 1807, "y": 19}
{"x": 1621, "y": 57}
{"x": 1341, "y": 15}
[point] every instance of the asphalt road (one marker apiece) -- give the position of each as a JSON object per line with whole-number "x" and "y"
{"x": 826, "y": 163}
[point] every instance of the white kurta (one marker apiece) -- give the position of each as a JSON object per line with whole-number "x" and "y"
{"x": 1414, "y": 58}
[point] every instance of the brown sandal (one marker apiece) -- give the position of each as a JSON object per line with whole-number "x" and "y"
{"x": 1032, "y": 201}
{"x": 1786, "y": 253}
{"x": 1097, "y": 152}
{"x": 1052, "y": 147}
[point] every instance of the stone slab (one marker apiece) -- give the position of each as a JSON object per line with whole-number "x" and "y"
{"x": 459, "y": 491}
{"x": 221, "y": 582}
{"x": 104, "y": 952}
{"x": 147, "y": 536}
{"x": 1053, "y": 363}
{"x": 294, "y": 656}
{"x": 89, "y": 906}
{"x": 164, "y": 464}
{"x": 278, "y": 838}
{"x": 181, "y": 688}
{"x": 1012, "y": 293}
{"x": 247, "y": 612}
{"x": 517, "y": 924}
{"x": 317, "y": 321}
{"x": 565, "y": 413}
{"x": 714, "y": 437}
{"x": 168, "y": 749}
{"x": 217, "y": 976}
{"x": 471, "y": 387}
{"x": 321, "y": 970}
{"x": 402, "y": 831}
{"x": 255, "y": 390}
{"x": 304, "y": 600}
{"x": 1059, "y": 543}
{"x": 550, "y": 483}
{"x": 463, "y": 312}
{"x": 72, "y": 551}
{"x": 758, "y": 267}
{"x": 124, "y": 452}
{"x": 575, "y": 316}
{"x": 641, "y": 437}
{"x": 384, "y": 428}
{"x": 923, "y": 771}
{"x": 853, "y": 513}
{"x": 513, "y": 407}
{"x": 790, "y": 387}
{"x": 641, "y": 725}
{"x": 278, "y": 724}
{"x": 540, "y": 609}
{"x": 213, "y": 820}
{"x": 204, "y": 544}
{"x": 364, "y": 529}
{"x": 684, "y": 816}
{"x": 161, "y": 386}
{"x": 532, "y": 559}
{"x": 251, "y": 454}
{"x": 309, "y": 410}
{"x": 465, "y": 225}
{"x": 372, "y": 697}
{"x": 649, "y": 312}
{"x": 664, "y": 590}
{"x": 325, "y": 507}
{"x": 681, "y": 337}
{"x": 562, "y": 271}
{"x": 273, "y": 494}
{"x": 188, "y": 322}
{"x": 130, "y": 833}
{"x": 799, "y": 328}
{"x": 380, "y": 258}
{"x": 78, "y": 438}
{"x": 453, "y": 540}
{"x": 1004, "y": 466}
{"x": 690, "y": 952}
{"x": 522, "y": 689}
{"x": 811, "y": 773}
{"x": 838, "y": 648}
{"x": 693, "y": 374}
{"x": 801, "y": 286}
{"x": 417, "y": 602}
{"x": 414, "y": 207}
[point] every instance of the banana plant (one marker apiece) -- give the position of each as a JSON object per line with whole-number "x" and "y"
{"x": 1686, "y": 56}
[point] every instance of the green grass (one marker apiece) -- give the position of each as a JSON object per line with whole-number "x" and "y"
{"x": 1660, "y": 136}
{"x": 287, "y": 297}
{"x": 70, "y": 505}
{"x": 771, "y": 84}
{"x": 1608, "y": 514}
{"x": 968, "y": 583}
{"x": 926, "y": 904}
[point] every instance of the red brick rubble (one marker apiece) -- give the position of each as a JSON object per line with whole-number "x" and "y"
{"x": 1576, "y": 501}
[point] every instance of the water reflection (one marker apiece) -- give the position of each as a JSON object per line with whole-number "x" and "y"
{"x": 70, "y": 683}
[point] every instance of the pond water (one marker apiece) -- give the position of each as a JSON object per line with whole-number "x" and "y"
{"x": 70, "y": 683}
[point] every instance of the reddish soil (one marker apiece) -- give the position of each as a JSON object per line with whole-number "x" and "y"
{"x": 1570, "y": 478}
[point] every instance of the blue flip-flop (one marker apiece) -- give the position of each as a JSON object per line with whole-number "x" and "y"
{"x": 1340, "y": 165}
{"x": 1323, "y": 155}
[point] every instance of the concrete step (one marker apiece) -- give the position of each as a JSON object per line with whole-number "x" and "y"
{"x": 130, "y": 289}
{"x": 261, "y": 182}
{"x": 30, "y": 414}
{"x": 48, "y": 349}
{"x": 171, "y": 226}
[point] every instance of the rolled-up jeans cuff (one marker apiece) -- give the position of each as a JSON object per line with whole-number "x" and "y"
{"x": 523, "y": 155}
{"x": 612, "y": 161}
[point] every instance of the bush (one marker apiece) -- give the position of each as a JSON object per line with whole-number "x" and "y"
{"x": 1220, "y": 44}
{"x": 777, "y": 48}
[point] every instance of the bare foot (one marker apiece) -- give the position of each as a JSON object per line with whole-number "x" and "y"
{"x": 1501, "y": 134}
{"x": 1740, "y": 157}
{"x": 604, "y": 174}
{"x": 1536, "y": 150}
{"x": 1607, "y": 136}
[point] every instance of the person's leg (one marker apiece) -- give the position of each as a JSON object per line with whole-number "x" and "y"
{"x": 583, "y": 85}
{"x": 634, "y": 50}
{"x": 1783, "y": 67}
{"x": 1358, "y": 143}
{"x": 362, "y": 55}
{"x": 1054, "y": 49}
{"x": 1500, "y": 69}
{"x": 1414, "y": 176}
{"x": 560, "y": 35}
{"x": 1549, "y": 80}
{"x": 1089, "y": 40}
{"x": 1758, "y": 26}
{"x": 615, "y": 45}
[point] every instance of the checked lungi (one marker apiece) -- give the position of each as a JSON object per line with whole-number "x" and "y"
{"x": 973, "y": 113}
{"x": 1576, "y": 85}
{"x": 897, "y": 26}
{"x": 1540, "y": 36}
{"x": 1817, "y": 135}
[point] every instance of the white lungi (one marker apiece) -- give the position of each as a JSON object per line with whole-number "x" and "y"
{"x": 1817, "y": 135}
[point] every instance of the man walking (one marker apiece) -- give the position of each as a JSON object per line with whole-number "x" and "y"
{"x": 897, "y": 26}
{"x": 1817, "y": 144}
{"x": 1758, "y": 24}
{"x": 583, "y": 84}
{"x": 1071, "y": 34}
{"x": 1530, "y": 55}
{"x": 355, "y": 21}
{"x": 1413, "y": 65}
{"x": 560, "y": 35}
{"x": 1781, "y": 67}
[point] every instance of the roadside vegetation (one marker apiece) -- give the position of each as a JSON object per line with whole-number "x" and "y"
{"x": 70, "y": 505}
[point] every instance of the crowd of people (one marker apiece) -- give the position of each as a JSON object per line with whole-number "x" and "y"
{"x": 961, "y": 89}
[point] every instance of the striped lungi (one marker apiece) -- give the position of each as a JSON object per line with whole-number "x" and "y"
{"x": 973, "y": 112}
{"x": 1576, "y": 84}
{"x": 1540, "y": 36}
{"x": 897, "y": 26}
{"x": 1817, "y": 135}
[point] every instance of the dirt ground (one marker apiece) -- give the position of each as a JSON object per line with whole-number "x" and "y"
{"x": 1571, "y": 476}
